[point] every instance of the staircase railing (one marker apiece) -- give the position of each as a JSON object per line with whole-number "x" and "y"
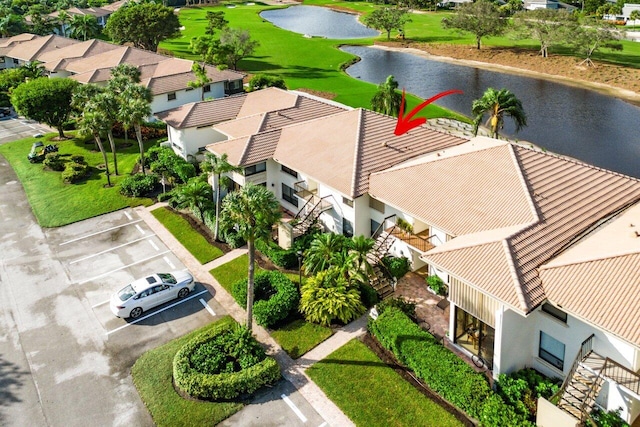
{"x": 311, "y": 214}
{"x": 621, "y": 375}
{"x": 585, "y": 348}
{"x": 589, "y": 398}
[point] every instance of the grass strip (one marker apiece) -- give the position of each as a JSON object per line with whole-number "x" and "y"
{"x": 354, "y": 367}
{"x": 195, "y": 243}
{"x": 299, "y": 336}
{"x": 153, "y": 377}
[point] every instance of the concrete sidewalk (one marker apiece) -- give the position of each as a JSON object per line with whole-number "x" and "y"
{"x": 292, "y": 370}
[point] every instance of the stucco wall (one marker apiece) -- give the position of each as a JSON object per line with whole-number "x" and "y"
{"x": 160, "y": 102}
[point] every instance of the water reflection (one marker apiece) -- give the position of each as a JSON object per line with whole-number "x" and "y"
{"x": 318, "y": 21}
{"x": 577, "y": 122}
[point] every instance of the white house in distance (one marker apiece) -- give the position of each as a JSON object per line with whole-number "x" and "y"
{"x": 540, "y": 252}
{"x": 91, "y": 61}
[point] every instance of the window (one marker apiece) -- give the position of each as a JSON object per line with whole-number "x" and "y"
{"x": 555, "y": 312}
{"x": 551, "y": 350}
{"x": 252, "y": 170}
{"x": 206, "y": 88}
{"x": 347, "y": 227}
{"x": 188, "y": 89}
{"x": 15, "y": 61}
{"x": 374, "y": 226}
{"x": 291, "y": 172}
{"x": 287, "y": 194}
{"x": 1, "y": 59}
{"x": 376, "y": 205}
{"x": 347, "y": 202}
{"x": 171, "y": 96}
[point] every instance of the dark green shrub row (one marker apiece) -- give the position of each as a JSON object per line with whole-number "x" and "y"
{"x": 275, "y": 297}
{"x": 75, "y": 170}
{"x": 149, "y": 130}
{"x": 403, "y": 305}
{"x": 522, "y": 389}
{"x": 285, "y": 258}
{"x": 54, "y": 161}
{"x": 368, "y": 295}
{"x": 223, "y": 385}
{"x": 397, "y": 266}
{"x": 138, "y": 185}
{"x": 442, "y": 370}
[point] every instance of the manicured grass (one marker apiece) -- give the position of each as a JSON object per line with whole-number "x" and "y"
{"x": 195, "y": 243}
{"x": 382, "y": 397}
{"x": 299, "y": 336}
{"x": 55, "y": 203}
{"x": 153, "y": 377}
{"x": 229, "y": 273}
{"x": 313, "y": 63}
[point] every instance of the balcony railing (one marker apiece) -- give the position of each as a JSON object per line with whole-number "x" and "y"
{"x": 301, "y": 189}
{"x": 621, "y": 375}
{"x": 420, "y": 241}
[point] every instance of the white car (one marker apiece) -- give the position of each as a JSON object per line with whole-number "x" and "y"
{"x": 151, "y": 291}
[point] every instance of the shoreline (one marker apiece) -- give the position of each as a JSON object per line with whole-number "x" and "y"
{"x": 623, "y": 94}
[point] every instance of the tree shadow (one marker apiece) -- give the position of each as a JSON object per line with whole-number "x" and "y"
{"x": 256, "y": 65}
{"x": 11, "y": 379}
{"x": 307, "y": 72}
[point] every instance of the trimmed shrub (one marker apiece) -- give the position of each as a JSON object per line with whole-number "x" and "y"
{"x": 261, "y": 81}
{"x": 138, "y": 185}
{"x": 607, "y": 419}
{"x": 149, "y": 130}
{"x": 403, "y": 305}
{"x": 397, "y": 266}
{"x": 54, "y": 161}
{"x": 496, "y": 413}
{"x": 285, "y": 258}
{"x": 522, "y": 389}
{"x": 198, "y": 376}
{"x": 275, "y": 297}
{"x": 233, "y": 239}
{"x": 437, "y": 285}
{"x": 368, "y": 295}
{"x": 75, "y": 171}
{"x": 441, "y": 370}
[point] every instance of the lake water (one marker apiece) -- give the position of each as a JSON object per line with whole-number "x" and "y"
{"x": 319, "y": 22}
{"x": 580, "y": 123}
{"x": 576, "y": 122}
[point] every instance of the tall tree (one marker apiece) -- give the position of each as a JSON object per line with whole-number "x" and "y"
{"x": 235, "y": 44}
{"x": 215, "y": 21}
{"x": 323, "y": 253}
{"x": 219, "y": 167}
{"x": 12, "y": 24}
{"x": 252, "y": 211}
{"x": 547, "y": 26}
{"x": 387, "y": 99}
{"x": 498, "y": 104}
{"x": 387, "y": 19}
{"x": 202, "y": 78}
{"x": 596, "y": 35}
{"x": 84, "y": 27}
{"x": 481, "y": 18}
{"x": 143, "y": 24}
{"x": 195, "y": 195}
{"x": 46, "y": 100}
{"x": 206, "y": 46}
{"x": 63, "y": 20}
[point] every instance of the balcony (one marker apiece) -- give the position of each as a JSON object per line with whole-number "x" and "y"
{"x": 420, "y": 241}
{"x": 302, "y": 190}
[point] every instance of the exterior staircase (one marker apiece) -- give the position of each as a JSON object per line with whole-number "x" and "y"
{"x": 308, "y": 215}
{"x": 381, "y": 280}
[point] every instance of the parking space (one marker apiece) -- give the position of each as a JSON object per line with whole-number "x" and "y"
{"x": 13, "y": 128}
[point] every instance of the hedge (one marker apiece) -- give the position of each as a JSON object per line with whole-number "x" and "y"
{"x": 222, "y": 386}
{"x": 276, "y": 296}
{"x": 442, "y": 370}
{"x": 285, "y": 258}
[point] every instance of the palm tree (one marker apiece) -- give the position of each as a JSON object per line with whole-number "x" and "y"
{"x": 218, "y": 167}
{"x": 12, "y": 24}
{"x": 387, "y": 99}
{"x": 252, "y": 211}
{"x": 195, "y": 195}
{"x": 93, "y": 123}
{"x": 498, "y": 103}
{"x": 324, "y": 252}
{"x": 84, "y": 27}
{"x": 360, "y": 248}
{"x": 63, "y": 19}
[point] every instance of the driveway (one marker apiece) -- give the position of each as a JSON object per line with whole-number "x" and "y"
{"x": 64, "y": 358}
{"x": 15, "y": 128}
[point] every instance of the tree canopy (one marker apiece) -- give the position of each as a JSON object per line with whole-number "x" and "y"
{"x": 387, "y": 99}
{"x": 547, "y": 26}
{"x": 143, "y": 24}
{"x": 235, "y": 44}
{"x": 84, "y": 27}
{"x": 387, "y": 19}
{"x": 481, "y": 18}
{"x": 596, "y": 35}
{"x": 46, "y": 100}
{"x": 498, "y": 103}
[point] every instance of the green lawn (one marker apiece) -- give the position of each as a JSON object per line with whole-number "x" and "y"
{"x": 368, "y": 391}
{"x": 299, "y": 336}
{"x": 195, "y": 243}
{"x": 313, "y": 63}
{"x": 153, "y": 377}
{"x": 229, "y": 273}
{"x": 55, "y": 203}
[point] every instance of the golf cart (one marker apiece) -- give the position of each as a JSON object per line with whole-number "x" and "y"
{"x": 39, "y": 151}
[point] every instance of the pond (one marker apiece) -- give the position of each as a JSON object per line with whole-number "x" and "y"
{"x": 319, "y": 22}
{"x": 598, "y": 129}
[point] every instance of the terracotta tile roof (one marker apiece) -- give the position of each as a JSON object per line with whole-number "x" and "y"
{"x": 248, "y": 150}
{"x": 241, "y": 126}
{"x": 31, "y": 50}
{"x": 205, "y": 113}
{"x": 93, "y": 76}
{"x": 269, "y": 99}
{"x": 597, "y": 279}
{"x": 304, "y": 109}
{"x": 75, "y": 52}
{"x": 8, "y": 43}
{"x": 569, "y": 196}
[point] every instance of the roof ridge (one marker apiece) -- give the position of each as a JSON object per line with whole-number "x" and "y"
{"x": 514, "y": 275}
{"x": 356, "y": 150}
{"x": 622, "y": 254}
{"x": 525, "y": 185}
{"x": 245, "y": 151}
{"x": 190, "y": 111}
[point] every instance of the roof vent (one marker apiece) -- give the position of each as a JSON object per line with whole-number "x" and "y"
{"x": 637, "y": 233}
{"x": 384, "y": 143}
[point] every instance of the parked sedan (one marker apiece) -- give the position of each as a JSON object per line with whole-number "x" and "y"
{"x": 151, "y": 291}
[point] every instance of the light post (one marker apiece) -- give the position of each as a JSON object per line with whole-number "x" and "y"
{"x": 299, "y": 253}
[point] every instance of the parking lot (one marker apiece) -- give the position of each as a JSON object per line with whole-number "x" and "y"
{"x": 13, "y": 128}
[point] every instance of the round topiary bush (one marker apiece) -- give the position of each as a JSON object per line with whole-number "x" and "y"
{"x": 222, "y": 364}
{"x": 275, "y": 297}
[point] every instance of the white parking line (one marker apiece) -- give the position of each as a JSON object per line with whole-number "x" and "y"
{"x": 140, "y": 229}
{"x": 209, "y": 309}
{"x": 128, "y": 215}
{"x": 294, "y": 408}
{"x": 98, "y": 232}
{"x": 107, "y": 250}
{"x": 173, "y": 267}
{"x": 133, "y": 322}
{"x": 324, "y": 424}
{"x": 122, "y": 268}
{"x": 99, "y": 304}
{"x": 153, "y": 245}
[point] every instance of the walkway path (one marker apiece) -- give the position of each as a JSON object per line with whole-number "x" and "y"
{"x": 292, "y": 370}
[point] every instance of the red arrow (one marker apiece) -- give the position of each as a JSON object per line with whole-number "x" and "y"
{"x": 405, "y": 124}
